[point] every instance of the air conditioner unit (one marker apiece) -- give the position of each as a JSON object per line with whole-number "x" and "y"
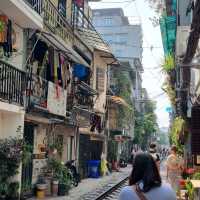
{"x": 181, "y": 40}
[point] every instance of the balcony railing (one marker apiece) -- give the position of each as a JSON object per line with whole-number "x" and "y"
{"x": 79, "y": 19}
{"x": 53, "y": 19}
{"x": 12, "y": 84}
{"x": 37, "y": 5}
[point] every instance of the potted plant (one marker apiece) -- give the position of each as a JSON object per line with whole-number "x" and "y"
{"x": 41, "y": 186}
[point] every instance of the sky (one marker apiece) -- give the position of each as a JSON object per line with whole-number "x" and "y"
{"x": 139, "y": 11}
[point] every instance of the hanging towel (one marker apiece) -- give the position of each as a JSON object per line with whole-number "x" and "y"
{"x": 3, "y": 32}
{"x": 51, "y": 63}
{"x": 60, "y": 81}
{"x": 56, "y": 65}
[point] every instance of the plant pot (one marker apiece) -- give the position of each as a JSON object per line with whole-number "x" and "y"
{"x": 61, "y": 189}
{"x": 54, "y": 188}
{"x": 40, "y": 194}
{"x": 41, "y": 186}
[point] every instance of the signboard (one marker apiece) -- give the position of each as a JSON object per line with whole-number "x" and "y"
{"x": 56, "y": 100}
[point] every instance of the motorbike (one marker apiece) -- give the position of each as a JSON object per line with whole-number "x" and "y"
{"x": 122, "y": 163}
{"x": 75, "y": 176}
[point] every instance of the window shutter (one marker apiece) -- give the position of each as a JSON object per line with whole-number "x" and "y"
{"x": 100, "y": 79}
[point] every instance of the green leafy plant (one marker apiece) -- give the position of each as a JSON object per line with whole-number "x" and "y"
{"x": 167, "y": 87}
{"x": 13, "y": 191}
{"x": 176, "y": 128}
{"x": 190, "y": 190}
{"x": 59, "y": 171}
{"x": 26, "y": 153}
{"x": 11, "y": 156}
{"x": 169, "y": 63}
{"x": 196, "y": 176}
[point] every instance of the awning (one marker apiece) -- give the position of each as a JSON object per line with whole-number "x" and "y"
{"x": 62, "y": 46}
{"x": 108, "y": 57}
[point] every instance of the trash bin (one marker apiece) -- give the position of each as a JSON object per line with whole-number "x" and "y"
{"x": 93, "y": 168}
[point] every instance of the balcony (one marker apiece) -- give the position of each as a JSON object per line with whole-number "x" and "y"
{"x": 12, "y": 84}
{"x": 22, "y": 13}
{"x": 45, "y": 96}
{"x": 52, "y": 18}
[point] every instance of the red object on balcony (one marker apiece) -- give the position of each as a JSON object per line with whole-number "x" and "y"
{"x": 79, "y": 3}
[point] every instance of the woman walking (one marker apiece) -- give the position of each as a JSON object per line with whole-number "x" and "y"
{"x": 145, "y": 182}
{"x": 174, "y": 168}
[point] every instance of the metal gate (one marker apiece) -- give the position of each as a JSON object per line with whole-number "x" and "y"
{"x": 27, "y": 168}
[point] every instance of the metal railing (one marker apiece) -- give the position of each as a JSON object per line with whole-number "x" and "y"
{"x": 12, "y": 84}
{"x": 37, "y": 5}
{"x": 53, "y": 19}
{"x": 56, "y": 22}
{"x": 79, "y": 19}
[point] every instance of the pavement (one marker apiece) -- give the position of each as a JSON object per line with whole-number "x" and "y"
{"x": 89, "y": 185}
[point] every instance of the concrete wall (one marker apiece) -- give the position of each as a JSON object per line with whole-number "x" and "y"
{"x": 182, "y": 8}
{"x": 11, "y": 117}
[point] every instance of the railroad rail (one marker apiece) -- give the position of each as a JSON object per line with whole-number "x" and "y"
{"x": 114, "y": 191}
{"x": 109, "y": 191}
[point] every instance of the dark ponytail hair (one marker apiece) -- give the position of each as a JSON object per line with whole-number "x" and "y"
{"x": 146, "y": 171}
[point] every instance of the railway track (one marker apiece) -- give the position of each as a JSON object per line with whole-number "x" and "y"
{"x": 108, "y": 192}
{"x": 113, "y": 192}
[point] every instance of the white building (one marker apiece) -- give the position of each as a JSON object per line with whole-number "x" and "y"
{"x": 125, "y": 41}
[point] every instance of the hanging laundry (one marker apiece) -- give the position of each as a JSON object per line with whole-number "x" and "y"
{"x": 60, "y": 81}
{"x": 66, "y": 75}
{"x": 95, "y": 122}
{"x": 39, "y": 51}
{"x": 51, "y": 63}
{"x": 56, "y": 65}
{"x": 3, "y": 28}
{"x": 8, "y": 44}
{"x": 6, "y": 35}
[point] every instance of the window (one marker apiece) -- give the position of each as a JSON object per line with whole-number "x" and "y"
{"x": 108, "y": 21}
{"x": 100, "y": 76}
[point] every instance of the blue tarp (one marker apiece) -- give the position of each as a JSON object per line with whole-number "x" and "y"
{"x": 80, "y": 71}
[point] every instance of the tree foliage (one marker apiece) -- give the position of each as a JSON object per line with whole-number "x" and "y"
{"x": 145, "y": 124}
{"x": 125, "y": 114}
